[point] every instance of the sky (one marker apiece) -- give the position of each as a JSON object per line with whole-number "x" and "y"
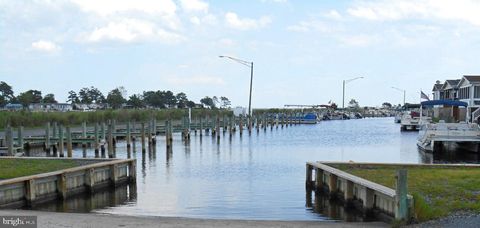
{"x": 301, "y": 50}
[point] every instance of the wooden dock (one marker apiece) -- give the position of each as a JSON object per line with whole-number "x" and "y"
{"x": 29, "y": 190}
{"x": 366, "y": 195}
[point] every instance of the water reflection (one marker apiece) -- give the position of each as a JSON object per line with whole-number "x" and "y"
{"x": 108, "y": 197}
{"x": 323, "y": 205}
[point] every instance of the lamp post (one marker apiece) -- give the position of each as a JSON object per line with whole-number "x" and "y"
{"x": 401, "y": 90}
{"x": 250, "y": 65}
{"x": 344, "y": 83}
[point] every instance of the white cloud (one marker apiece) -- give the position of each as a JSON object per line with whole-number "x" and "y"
{"x": 333, "y": 14}
{"x": 313, "y": 25}
{"x": 108, "y": 7}
{"x": 46, "y": 46}
{"x": 233, "y": 21}
{"x": 191, "y": 6}
{"x": 359, "y": 40}
{"x": 132, "y": 30}
{"x": 460, "y": 10}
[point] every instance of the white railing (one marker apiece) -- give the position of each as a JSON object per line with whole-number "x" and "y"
{"x": 475, "y": 115}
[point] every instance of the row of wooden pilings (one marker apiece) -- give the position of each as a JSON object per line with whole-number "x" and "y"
{"x": 103, "y": 136}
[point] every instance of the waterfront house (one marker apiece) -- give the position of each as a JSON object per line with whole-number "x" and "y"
{"x": 13, "y": 107}
{"x": 450, "y": 89}
{"x": 437, "y": 91}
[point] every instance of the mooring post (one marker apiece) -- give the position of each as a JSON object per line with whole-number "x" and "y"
{"x": 84, "y": 134}
{"x": 69, "y": 142}
{"x": 110, "y": 140}
{"x": 201, "y": 125}
{"x": 47, "y": 137}
{"x": 54, "y": 130}
{"x": 103, "y": 128}
{"x": 60, "y": 141}
{"x": 143, "y": 137}
{"x": 149, "y": 134}
{"x": 129, "y": 136}
{"x": 332, "y": 184}
{"x": 318, "y": 179}
{"x": 401, "y": 200}
{"x": 97, "y": 140}
{"x": 240, "y": 126}
{"x": 132, "y": 170}
{"x": 308, "y": 174}
{"x": 20, "y": 137}
{"x": 217, "y": 129}
{"x": 9, "y": 136}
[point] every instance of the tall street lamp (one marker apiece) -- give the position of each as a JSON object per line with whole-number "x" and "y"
{"x": 401, "y": 90}
{"x": 345, "y": 82}
{"x": 250, "y": 65}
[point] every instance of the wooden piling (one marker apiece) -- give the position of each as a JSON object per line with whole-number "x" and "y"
{"x": 129, "y": 136}
{"x": 401, "y": 200}
{"x": 54, "y": 130}
{"x": 47, "y": 137}
{"x": 110, "y": 140}
{"x": 69, "y": 142}
{"x": 84, "y": 133}
{"x": 97, "y": 140}
{"x": 60, "y": 141}
{"x": 20, "y": 138}
{"x": 9, "y": 137}
{"x": 143, "y": 137}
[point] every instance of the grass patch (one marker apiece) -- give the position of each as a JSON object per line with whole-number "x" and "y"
{"x": 437, "y": 191}
{"x": 11, "y": 168}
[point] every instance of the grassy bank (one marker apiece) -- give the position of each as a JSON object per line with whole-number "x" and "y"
{"x": 37, "y": 119}
{"x": 11, "y": 168}
{"x": 437, "y": 191}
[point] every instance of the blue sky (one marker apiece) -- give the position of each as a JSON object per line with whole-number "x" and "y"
{"x": 302, "y": 50}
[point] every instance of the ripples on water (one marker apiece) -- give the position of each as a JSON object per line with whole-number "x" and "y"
{"x": 261, "y": 176}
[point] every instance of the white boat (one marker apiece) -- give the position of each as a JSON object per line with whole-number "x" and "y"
{"x": 409, "y": 123}
{"x": 433, "y": 137}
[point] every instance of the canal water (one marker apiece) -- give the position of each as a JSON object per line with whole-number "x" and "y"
{"x": 257, "y": 176}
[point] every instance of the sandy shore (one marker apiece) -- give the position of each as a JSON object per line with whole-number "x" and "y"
{"x": 54, "y": 219}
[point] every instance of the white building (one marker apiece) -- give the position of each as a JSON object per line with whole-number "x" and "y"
{"x": 240, "y": 111}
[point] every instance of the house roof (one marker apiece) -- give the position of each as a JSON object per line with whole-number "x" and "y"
{"x": 472, "y": 78}
{"x": 437, "y": 87}
{"x": 453, "y": 83}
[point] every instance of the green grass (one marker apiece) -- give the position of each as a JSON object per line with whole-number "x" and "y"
{"x": 11, "y": 168}
{"x": 39, "y": 119}
{"x": 437, "y": 191}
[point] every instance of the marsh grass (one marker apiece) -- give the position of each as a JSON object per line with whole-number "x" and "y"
{"x": 437, "y": 191}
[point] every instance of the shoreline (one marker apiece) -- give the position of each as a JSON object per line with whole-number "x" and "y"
{"x": 63, "y": 219}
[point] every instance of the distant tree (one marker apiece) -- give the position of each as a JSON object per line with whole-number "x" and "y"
{"x": 169, "y": 98}
{"x": 115, "y": 98}
{"x": 30, "y": 97}
{"x": 191, "y": 104}
{"x": 182, "y": 100}
{"x": 216, "y": 102}
{"x": 73, "y": 97}
{"x": 49, "y": 98}
{"x": 136, "y": 101}
{"x": 353, "y": 104}
{"x": 225, "y": 102}
{"x": 6, "y": 93}
{"x": 90, "y": 95}
{"x": 207, "y": 101}
{"x": 386, "y": 105}
{"x": 153, "y": 99}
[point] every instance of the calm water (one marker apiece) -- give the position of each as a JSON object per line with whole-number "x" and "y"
{"x": 261, "y": 176}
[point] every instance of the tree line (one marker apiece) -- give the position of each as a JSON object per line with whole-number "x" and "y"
{"x": 116, "y": 98}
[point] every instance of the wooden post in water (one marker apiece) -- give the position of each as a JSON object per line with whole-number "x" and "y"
{"x": 9, "y": 137}
{"x": 401, "y": 200}
{"x": 217, "y": 129}
{"x": 97, "y": 140}
{"x": 201, "y": 126}
{"x": 240, "y": 126}
{"x": 149, "y": 134}
{"x": 69, "y": 143}
{"x": 143, "y": 137}
{"x": 129, "y": 135}
{"x": 54, "y": 130}
{"x": 224, "y": 124}
{"x": 110, "y": 139}
{"x": 103, "y": 128}
{"x": 84, "y": 134}
{"x": 20, "y": 137}
{"x": 47, "y": 137}
{"x": 60, "y": 141}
